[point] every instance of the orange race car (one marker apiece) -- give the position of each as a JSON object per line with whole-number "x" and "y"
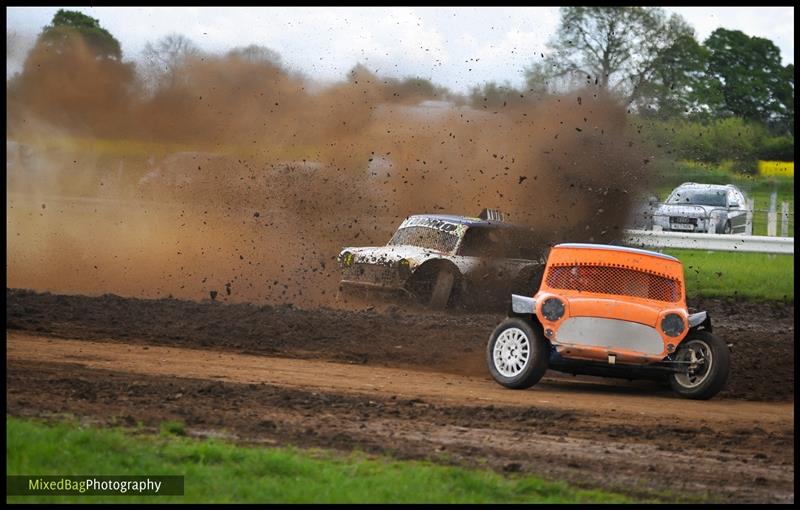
{"x": 610, "y": 311}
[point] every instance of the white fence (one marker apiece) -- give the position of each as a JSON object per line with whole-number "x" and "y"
{"x": 713, "y": 242}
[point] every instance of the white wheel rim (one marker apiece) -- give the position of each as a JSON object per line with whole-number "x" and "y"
{"x": 512, "y": 352}
{"x": 698, "y": 354}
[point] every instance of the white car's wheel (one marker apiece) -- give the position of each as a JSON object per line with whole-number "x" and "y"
{"x": 517, "y": 354}
{"x": 727, "y": 229}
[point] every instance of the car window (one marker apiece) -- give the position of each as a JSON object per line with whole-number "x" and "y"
{"x": 425, "y": 237}
{"x": 689, "y": 196}
{"x": 483, "y": 242}
{"x": 500, "y": 243}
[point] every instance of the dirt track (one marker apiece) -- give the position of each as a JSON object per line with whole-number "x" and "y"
{"x": 266, "y": 375}
{"x": 587, "y": 433}
{"x": 374, "y": 381}
{"x": 762, "y": 334}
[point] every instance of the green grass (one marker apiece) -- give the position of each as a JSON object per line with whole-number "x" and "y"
{"x": 756, "y": 276}
{"x": 759, "y": 188}
{"x": 217, "y": 471}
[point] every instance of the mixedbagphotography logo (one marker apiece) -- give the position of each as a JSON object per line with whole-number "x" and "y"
{"x": 94, "y": 485}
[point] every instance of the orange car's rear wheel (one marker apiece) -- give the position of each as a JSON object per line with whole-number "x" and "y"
{"x": 706, "y": 360}
{"x": 517, "y": 354}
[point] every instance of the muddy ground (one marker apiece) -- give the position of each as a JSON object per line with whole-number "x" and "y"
{"x": 409, "y": 385}
{"x": 762, "y": 334}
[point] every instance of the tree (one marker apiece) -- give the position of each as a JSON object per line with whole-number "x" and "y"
{"x": 785, "y": 94}
{"x": 491, "y": 95}
{"x": 17, "y": 46}
{"x": 538, "y": 79}
{"x": 678, "y": 75}
{"x": 164, "y": 58}
{"x": 73, "y": 82}
{"x": 360, "y": 73}
{"x": 98, "y": 39}
{"x": 416, "y": 86}
{"x": 256, "y": 54}
{"x": 746, "y": 79}
{"x": 12, "y": 42}
{"x": 618, "y": 49}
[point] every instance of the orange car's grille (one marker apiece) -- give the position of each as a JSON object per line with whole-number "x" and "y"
{"x": 620, "y": 281}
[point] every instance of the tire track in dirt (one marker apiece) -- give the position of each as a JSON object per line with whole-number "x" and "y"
{"x": 589, "y": 434}
{"x": 368, "y": 380}
{"x": 762, "y": 361}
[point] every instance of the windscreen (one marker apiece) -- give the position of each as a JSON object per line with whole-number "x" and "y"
{"x": 425, "y": 237}
{"x": 714, "y": 198}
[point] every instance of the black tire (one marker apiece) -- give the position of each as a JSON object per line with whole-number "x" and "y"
{"x": 709, "y": 380}
{"x": 441, "y": 289}
{"x": 435, "y": 285}
{"x": 536, "y": 364}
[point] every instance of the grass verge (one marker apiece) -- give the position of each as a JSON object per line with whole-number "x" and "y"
{"x": 217, "y": 471}
{"x": 757, "y": 276}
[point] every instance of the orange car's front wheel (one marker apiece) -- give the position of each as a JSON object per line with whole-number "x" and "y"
{"x": 706, "y": 362}
{"x": 517, "y": 354}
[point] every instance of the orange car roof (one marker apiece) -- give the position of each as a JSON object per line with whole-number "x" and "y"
{"x": 615, "y": 248}
{"x": 622, "y": 256}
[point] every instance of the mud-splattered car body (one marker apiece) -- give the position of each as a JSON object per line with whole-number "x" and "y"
{"x": 609, "y": 311}
{"x": 443, "y": 259}
{"x": 710, "y": 208}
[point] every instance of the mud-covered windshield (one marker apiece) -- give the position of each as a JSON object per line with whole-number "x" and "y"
{"x": 714, "y": 198}
{"x": 425, "y": 237}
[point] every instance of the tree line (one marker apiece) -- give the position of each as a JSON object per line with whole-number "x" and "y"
{"x": 729, "y": 87}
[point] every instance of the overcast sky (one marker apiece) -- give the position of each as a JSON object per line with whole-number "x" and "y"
{"x": 454, "y": 46}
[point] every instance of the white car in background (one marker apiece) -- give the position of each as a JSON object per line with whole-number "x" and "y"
{"x": 707, "y": 208}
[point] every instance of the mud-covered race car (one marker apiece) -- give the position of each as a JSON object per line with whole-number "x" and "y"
{"x": 711, "y": 208}
{"x": 440, "y": 260}
{"x": 609, "y": 311}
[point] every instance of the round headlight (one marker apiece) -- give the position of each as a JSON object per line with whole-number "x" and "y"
{"x": 672, "y": 324}
{"x": 347, "y": 259}
{"x": 404, "y": 267}
{"x": 553, "y": 309}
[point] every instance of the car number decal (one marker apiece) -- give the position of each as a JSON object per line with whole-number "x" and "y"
{"x": 435, "y": 223}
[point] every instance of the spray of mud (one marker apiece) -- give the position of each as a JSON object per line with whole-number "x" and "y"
{"x": 238, "y": 180}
